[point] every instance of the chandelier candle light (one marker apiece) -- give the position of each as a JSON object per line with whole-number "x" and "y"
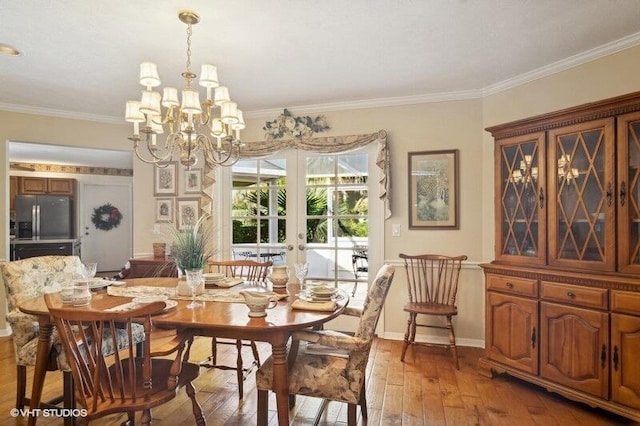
{"x": 188, "y": 123}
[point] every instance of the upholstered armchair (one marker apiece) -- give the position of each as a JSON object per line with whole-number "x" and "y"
{"x": 332, "y": 365}
{"x": 26, "y": 279}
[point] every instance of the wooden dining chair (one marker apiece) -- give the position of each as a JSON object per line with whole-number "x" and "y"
{"x": 335, "y": 366}
{"x": 250, "y": 270}
{"x": 432, "y": 282}
{"x": 121, "y": 382}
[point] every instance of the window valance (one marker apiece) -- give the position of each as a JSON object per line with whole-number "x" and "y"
{"x": 329, "y": 144}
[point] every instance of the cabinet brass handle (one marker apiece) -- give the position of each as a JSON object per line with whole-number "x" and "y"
{"x": 609, "y": 194}
{"x": 541, "y": 198}
{"x": 533, "y": 338}
{"x": 615, "y": 357}
{"x": 509, "y": 285}
{"x": 623, "y": 193}
{"x": 571, "y": 294}
{"x": 603, "y": 355}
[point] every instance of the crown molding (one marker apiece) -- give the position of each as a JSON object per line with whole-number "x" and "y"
{"x": 58, "y": 113}
{"x": 554, "y": 68}
{"x": 564, "y": 64}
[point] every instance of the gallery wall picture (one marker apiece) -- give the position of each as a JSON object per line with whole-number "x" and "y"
{"x": 165, "y": 179}
{"x": 433, "y": 190}
{"x": 188, "y": 212}
{"x": 192, "y": 181}
{"x": 164, "y": 209}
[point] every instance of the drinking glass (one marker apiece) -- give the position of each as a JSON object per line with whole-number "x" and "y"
{"x": 194, "y": 279}
{"x": 301, "y": 272}
{"x": 89, "y": 270}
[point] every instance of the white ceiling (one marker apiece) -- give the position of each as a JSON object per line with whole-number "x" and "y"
{"x": 80, "y": 58}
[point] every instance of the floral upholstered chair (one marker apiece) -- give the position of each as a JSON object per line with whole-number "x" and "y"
{"x": 333, "y": 365}
{"x": 29, "y": 278}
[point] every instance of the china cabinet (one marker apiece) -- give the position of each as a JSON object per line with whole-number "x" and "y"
{"x": 563, "y": 293}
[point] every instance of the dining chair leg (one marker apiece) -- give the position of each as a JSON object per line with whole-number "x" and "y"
{"x": 197, "y": 410}
{"x": 263, "y": 407}
{"x": 21, "y": 387}
{"x": 407, "y": 335}
{"x": 256, "y": 355}
{"x": 214, "y": 351}
{"x": 239, "y": 372}
{"x": 68, "y": 397}
{"x": 452, "y": 342}
{"x": 351, "y": 415}
{"x": 146, "y": 417}
{"x": 363, "y": 401}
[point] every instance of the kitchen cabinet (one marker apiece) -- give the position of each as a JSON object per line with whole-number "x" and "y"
{"x": 563, "y": 293}
{"x": 28, "y": 185}
{"x": 26, "y": 249}
{"x": 13, "y": 191}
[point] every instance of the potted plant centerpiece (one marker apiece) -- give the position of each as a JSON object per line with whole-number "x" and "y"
{"x": 190, "y": 249}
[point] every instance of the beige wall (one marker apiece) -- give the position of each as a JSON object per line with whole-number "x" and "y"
{"x": 441, "y": 125}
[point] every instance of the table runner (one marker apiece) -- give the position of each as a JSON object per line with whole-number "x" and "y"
{"x": 209, "y": 295}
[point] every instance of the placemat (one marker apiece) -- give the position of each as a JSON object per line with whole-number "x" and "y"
{"x": 209, "y": 295}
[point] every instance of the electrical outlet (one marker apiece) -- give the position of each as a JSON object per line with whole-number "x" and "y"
{"x": 395, "y": 230}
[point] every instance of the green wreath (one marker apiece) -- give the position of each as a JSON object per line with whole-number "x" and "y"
{"x": 106, "y": 217}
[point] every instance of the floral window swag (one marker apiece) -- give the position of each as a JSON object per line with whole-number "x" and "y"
{"x": 289, "y": 125}
{"x": 324, "y": 144}
{"x": 106, "y": 217}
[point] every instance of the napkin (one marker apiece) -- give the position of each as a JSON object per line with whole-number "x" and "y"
{"x": 314, "y": 306}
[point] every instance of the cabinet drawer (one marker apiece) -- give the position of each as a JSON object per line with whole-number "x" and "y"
{"x": 625, "y": 302}
{"x": 512, "y": 285}
{"x": 574, "y": 295}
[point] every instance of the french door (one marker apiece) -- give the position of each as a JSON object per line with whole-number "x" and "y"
{"x": 296, "y": 207}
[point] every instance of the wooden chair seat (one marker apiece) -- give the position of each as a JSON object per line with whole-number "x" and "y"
{"x": 430, "y": 309}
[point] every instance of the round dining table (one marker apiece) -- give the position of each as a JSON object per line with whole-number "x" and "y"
{"x": 220, "y": 319}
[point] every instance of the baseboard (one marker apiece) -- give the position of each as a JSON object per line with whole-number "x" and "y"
{"x": 5, "y": 332}
{"x": 460, "y": 341}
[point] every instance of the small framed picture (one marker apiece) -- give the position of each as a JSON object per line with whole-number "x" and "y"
{"x": 193, "y": 181}
{"x": 433, "y": 190}
{"x": 164, "y": 209}
{"x": 165, "y": 179}
{"x": 188, "y": 212}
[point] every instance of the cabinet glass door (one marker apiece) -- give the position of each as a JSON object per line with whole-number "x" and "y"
{"x": 628, "y": 193}
{"x": 581, "y": 210}
{"x": 520, "y": 206}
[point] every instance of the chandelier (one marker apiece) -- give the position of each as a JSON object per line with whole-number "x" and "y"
{"x": 210, "y": 130}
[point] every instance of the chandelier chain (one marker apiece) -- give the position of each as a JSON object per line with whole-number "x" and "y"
{"x": 189, "y": 33}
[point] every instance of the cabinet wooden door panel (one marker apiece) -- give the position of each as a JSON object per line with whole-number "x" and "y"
{"x": 575, "y": 347}
{"x": 625, "y": 368}
{"x": 32, "y": 185}
{"x": 512, "y": 331}
{"x": 628, "y": 193}
{"x": 581, "y": 187}
{"x": 61, "y": 186}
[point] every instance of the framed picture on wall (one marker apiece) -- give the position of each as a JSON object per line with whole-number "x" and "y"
{"x": 165, "y": 179}
{"x": 164, "y": 209}
{"x": 193, "y": 181}
{"x": 433, "y": 190}
{"x": 188, "y": 212}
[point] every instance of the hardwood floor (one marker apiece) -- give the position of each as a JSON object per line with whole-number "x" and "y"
{"x": 425, "y": 390}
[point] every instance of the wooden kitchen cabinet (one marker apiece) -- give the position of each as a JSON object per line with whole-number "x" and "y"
{"x": 28, "y": 185}
{"x": 567, "y": 254}
{"x": 13, "y": 191}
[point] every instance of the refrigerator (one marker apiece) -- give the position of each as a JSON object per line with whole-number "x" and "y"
{"x": 43, "y": 216}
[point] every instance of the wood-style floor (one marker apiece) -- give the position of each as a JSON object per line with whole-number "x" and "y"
{"x": 425, "y": 390}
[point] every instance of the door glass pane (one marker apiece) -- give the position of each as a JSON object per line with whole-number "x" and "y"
{"x": 633, "y": 191}
{"x": 258, "y": 205}
{"x": 519, "y": 171}
{"x": 337, "y": 218}
{"x": 581, "y": 195}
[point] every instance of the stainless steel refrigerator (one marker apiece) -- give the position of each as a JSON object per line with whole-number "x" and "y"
{"x": 44, "y": 216}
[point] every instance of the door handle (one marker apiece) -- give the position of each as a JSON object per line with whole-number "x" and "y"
{"x": 302, "y": 247}
{"x": 289, "y": 247}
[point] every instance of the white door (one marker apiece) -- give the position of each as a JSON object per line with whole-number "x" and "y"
{"x": 305, "y": 207}
{"x": 111, "y": 247}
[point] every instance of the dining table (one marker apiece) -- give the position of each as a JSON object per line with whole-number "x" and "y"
{"x": 222, "y": 314}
